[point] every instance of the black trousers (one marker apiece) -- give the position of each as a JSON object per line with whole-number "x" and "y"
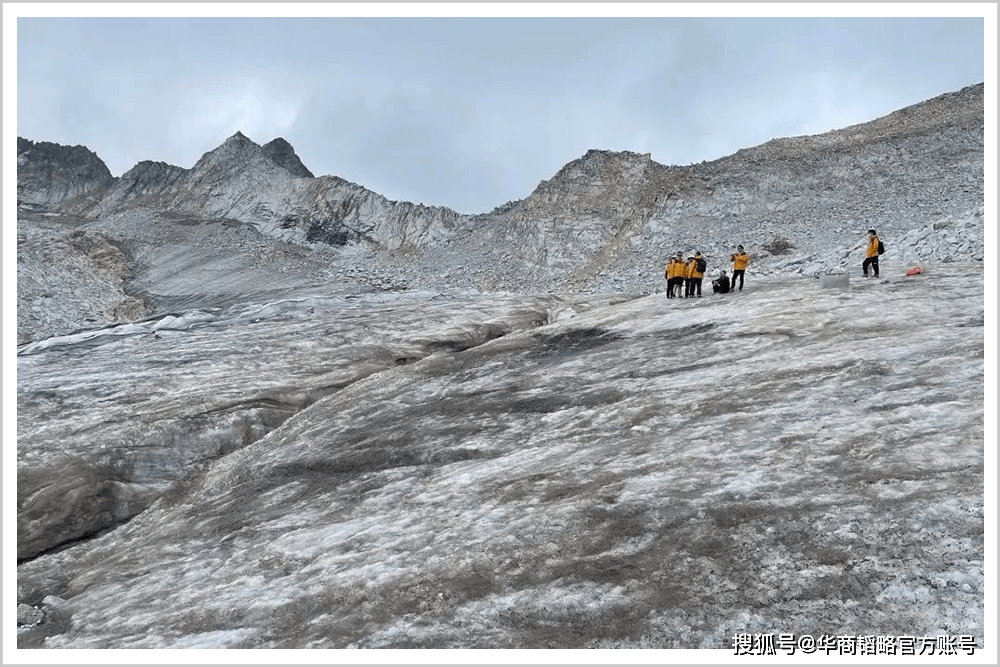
{"x": 694, "y": 286}
{"x": 672, "y": 287}
{"x": 737, "y": 273}
{"x": 870, "y": 261}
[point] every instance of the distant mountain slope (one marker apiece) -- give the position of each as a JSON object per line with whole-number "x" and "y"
{"x": 606, "y": 221}
{"x": 613, "y": 211}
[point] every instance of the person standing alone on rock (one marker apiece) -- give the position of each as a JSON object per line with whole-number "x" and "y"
{"x": 740, "y": 260}
{"x": 871, "y": 255}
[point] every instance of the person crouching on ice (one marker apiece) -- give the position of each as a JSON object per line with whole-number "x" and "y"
{"x": 721, "y": 284}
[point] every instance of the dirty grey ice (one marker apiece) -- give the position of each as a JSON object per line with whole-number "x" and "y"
{"x": 263, "y": 409}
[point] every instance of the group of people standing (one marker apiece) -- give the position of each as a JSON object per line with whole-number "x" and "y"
{"x": 684, "y": 277}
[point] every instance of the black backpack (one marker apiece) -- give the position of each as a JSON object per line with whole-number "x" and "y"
{"x": 881, "y": 248}
{"x": 701, "y": 264}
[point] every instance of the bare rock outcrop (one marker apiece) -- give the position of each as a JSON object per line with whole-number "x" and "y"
{"x": 69, "y": 279}
{"x": 148, "y": 184}
{"x": 269, "y": 188}
{"x": 70, "y": 178}
{"x": 283, "y": 155}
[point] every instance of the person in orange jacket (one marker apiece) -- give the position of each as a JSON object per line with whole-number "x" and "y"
{"x": 689, "y": 277}
{"x": 871, "y": 255}
{"x": 680, "y": 275}
{"x": 698, "y": 267}
{"x": 674, "y": 273}
{"x": 740, "y": 260}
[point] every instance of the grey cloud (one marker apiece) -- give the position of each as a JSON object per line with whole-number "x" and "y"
{"x": 469, "y": 113}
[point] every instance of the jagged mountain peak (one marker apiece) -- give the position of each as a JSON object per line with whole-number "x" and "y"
{"x": 595, "y": 161}
{"x": 239, "y": 138}
{"x": 50, "y": 174}
{"x": 598, "y": 158}
{"x": 59, "y": 153}
{"x": 282, "y": 154}
{"x": 279, "y": 143}
{"x": 236, "y": 145}
{"x": 151, "y": 171}
{"x": 597, "y": 167}
{"x": 236, "y": 152}
{"x": 600, "y": 154}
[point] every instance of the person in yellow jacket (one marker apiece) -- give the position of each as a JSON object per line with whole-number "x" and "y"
{"x": 670, "y": 273}
{"x": 740, "y": 260}
{"x": 871, "y": 255}
{"x": 688, "y": 276}
{"x": 697, "y": 268}
{"x": 675, "y": 276}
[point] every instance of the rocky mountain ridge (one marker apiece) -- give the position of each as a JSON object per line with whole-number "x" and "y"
{"x": 64, "y": 178}
{"x": 605, "y": 222}
{"x": 931, "y": 151}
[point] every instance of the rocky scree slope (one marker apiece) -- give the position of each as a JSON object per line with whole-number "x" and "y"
{"x": 799, "y": 205}
{"x": 69, "y": 278}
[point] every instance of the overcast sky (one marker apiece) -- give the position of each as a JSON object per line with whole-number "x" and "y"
{"x": 472, "y": 112}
